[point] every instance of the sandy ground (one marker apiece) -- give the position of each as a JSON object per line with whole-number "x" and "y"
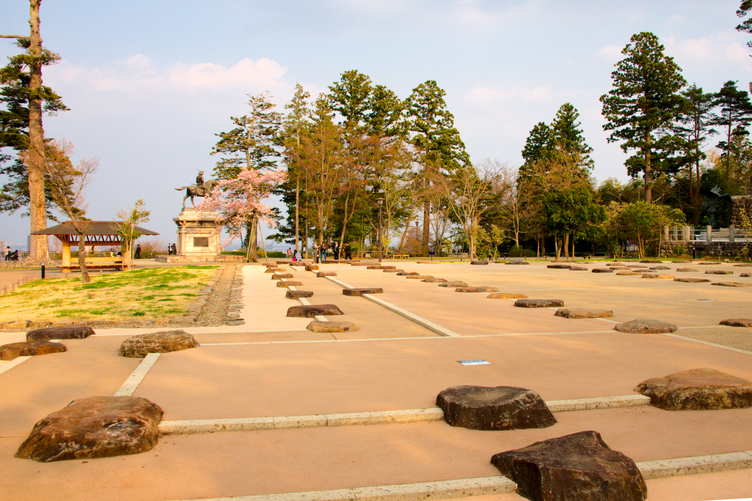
{"x": 274, "y": 366}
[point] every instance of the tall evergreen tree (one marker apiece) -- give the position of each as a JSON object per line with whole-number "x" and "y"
{"x": 567, "y": 135}
{"x": 15, "y": 79}
{"x": 694, "y": 125}
{"x": 746, "y": 26}
{"x": 641, "y": 108}
{"x": 350, "y": 97}
{"x": 734, "y": 116}
{"x": 432, "y": 131}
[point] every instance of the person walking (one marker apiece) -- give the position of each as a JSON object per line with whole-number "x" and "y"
{"x": 137, "y": 255}
{"x": 335, "y": 251}
{"x": 348, "y": 252}
{"x": 324, "y": 250}
{"x": 315, "y": 252}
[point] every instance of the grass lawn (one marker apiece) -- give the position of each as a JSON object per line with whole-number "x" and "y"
{"x": 148, "y": 294}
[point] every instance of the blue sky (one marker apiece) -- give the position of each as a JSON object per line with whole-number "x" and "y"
{"x": 149, "y": 83}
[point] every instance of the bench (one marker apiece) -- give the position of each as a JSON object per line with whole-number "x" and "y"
{"x": 400, "y": 256}
{"x": 100, "y": 263}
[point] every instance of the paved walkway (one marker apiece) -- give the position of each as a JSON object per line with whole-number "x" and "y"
{"x": 274, "y": 373}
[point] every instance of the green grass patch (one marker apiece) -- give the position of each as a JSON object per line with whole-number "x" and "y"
{"x": 139, "y": 293}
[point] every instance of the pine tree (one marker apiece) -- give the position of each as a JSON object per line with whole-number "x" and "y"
{"x": 432, "y": 131}
{"x": 735, "y": 115}
{"x": 641, "y": 108}
{"x": 694, "y": 126}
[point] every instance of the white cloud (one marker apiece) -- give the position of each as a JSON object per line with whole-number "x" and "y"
{"x": 722, "y": 47}
{"x": 610, "y": 52}
{"x": 138, "y": 73}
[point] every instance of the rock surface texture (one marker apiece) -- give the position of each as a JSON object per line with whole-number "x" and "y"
{"x": 30, "y": 349}
{"x": 571, "y": 313}
{"x": 506, "y": 295}
{"x": 698, "y": 389}
{"x": 297, "y": 294}
{"x": 316, "y": 326}
{"x": 538, "y": 303}
{"x": 159, "y": 342}
{"x": 577, "y": 467}
{"x": 737, "y": 322}
{"x": 94, "y": 427}
{"x": 359, "y": 291}
{"x": 494, "y": 408}
{"x": 62, "y": 332}
{"x": 645, "y": 326}
{"x": 312, "y": 310}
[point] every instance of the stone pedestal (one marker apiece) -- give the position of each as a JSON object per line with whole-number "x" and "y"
{"x": 198, "y": 234}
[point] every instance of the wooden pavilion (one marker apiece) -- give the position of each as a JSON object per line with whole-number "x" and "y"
{"x": 96, "y": 234}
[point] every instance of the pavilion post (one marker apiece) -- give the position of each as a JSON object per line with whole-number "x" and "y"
{"x": 65, "y": 264}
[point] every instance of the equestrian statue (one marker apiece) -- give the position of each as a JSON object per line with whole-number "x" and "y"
{"x": 200, "y": 189}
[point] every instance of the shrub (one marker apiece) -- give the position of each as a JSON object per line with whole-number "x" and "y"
{"x": 517, "y": 251}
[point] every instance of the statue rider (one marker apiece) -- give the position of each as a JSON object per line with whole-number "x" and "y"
{"x": 200, "y": 188}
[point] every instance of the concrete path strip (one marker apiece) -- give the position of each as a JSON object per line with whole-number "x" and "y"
{"x": 497, "y": 485}
{"x": 138, "y": 375}
{"x": 6, "y": 366}
{"x": 405, "y": 492}
{"x": 187, "y": 427}
{"x": 408, "y": 315}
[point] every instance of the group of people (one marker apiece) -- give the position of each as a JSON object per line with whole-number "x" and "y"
{"x": 321, "y": 253}
{"x": 172, "y": 249}
{"x": 9, "y": 255}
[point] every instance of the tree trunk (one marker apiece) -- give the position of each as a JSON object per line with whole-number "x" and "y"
{"x": 252, "y": 243}
{"x": 82, "y": 258}
{"x": 404, "y": 233}
{"x": 566, "y": 246}
{"x": 37, "y": 208}
{"x": 297, "y": 214}
{"x": 557, "y": 248}
{"x": 426, "y": 228}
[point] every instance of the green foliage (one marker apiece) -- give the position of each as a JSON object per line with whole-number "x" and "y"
{"x": 14, "y": 124}
{"x": 642, "y": 222}
{"x": 734, "y": 117}
{"x": 517, "y": 251}
{"x": 641, "y": 108}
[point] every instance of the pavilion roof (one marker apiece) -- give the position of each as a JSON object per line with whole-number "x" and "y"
{"x": 91, "y": 228}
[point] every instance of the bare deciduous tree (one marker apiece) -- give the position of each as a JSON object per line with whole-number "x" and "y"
{"x": 68, "y": 190}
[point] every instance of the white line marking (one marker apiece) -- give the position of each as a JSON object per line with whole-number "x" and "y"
{"x": 707, "y": 343}
{"x": 12, "y": 363}
{"x": 138, "y": 375}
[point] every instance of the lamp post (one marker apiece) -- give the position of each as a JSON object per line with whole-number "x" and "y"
{"x": 381, "y": 202}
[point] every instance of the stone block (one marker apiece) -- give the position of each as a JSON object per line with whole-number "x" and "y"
{"x": 408, "y": 274}
{"x": 434, "y": 280}
{"x": 158, "y": 342}
{"x": 559, "y": 266}
{"x": 578, "y": 268}
{"x": 516, "y": 262}
{"x": 62, "y": 332}
{"x": 94, "y": 427}
{"x": 30, "y": 349}
{"x": 602, "y": 270}
{"x": 316, "y": 326}
{"x": 719, "y": 272}
{"x": 698, "y": 389}
{"x": 312, "y": 267}
{"x": 506, "y": 295}
{"x": 686, "y": 270}
{"x": 312, "y": 310}
{"x": 417, "y": 277}
{"x": 322, "y": 274}
{"x": 577, "y": 467}
{"x": 645, "y": 326}
{"x": 737, "y": 322}
{"x": 280, "y": 276}
{"x": 730, "y": 284}
{"x": 289, "y": 283}
{"x": 454, "y": 283}
{"x": 659, "y": 276}
{"x": 275, "y": 270}
{"x": 478, "y": 263}
{"x": 691, "y": 280}
{"x": 362, "y": 290}
{"x": 494, "y": 408}
{"x": 394, "y": 270}
{"x": 571, "y": 313}
{"x": 538, "y": 303}
{"x": 298, "y": 294}
{"x": 479, "y": 288}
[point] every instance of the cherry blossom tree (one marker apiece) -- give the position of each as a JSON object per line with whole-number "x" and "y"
{"x": 240, "y": 200}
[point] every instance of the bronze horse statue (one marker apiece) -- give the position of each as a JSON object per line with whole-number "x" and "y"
{"x": 198, "y": 191}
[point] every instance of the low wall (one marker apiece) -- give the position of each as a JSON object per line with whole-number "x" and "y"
{"x": 720, "y": 249}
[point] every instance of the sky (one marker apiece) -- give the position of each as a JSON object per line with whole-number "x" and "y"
{"x": 150, "y": 82}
